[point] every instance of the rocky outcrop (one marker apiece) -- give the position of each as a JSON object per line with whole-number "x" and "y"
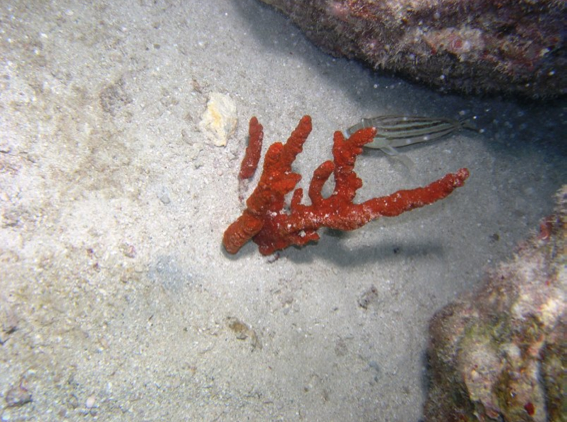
{"x": 511, "y": 47}
{"x": 500, "y": 354}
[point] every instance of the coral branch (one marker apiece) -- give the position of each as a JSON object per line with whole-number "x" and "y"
{"x": 253, "y": 151}
{"x": 271, "y": 227}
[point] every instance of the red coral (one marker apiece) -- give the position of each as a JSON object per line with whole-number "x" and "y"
{"x": 271, "y": 227}
{"x": 253, "y": 151}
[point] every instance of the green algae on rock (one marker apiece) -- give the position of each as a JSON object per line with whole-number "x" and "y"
{"x": 500, "y": 353}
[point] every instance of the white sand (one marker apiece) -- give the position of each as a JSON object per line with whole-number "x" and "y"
{"x": 117, "y": 299}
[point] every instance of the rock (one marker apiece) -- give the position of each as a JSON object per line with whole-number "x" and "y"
{"x": 499, "y": 354}
{"x": 481, "y": 47}
{"x": 219, "y": 119}
{"x": 18, "y": 396}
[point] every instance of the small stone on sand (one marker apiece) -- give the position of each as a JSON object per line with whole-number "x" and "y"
{"x": 218, "y": 122}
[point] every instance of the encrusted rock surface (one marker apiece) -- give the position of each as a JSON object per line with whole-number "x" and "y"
{"x": 500, "y": 354}
{"x": 471, "y": 46}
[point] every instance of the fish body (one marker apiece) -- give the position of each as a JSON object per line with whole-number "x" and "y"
{"x": 398, "y": 131}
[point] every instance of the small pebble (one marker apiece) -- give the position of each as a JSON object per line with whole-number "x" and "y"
{"x": 18, "y": 396}
{"x": 90, "y": 402}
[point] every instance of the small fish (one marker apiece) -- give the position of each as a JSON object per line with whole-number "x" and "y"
{"x": 398, "y": 131}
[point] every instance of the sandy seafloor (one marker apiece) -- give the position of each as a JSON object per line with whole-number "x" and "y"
{"x": 118, "y": 302}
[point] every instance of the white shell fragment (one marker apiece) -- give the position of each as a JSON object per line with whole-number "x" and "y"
{"x": 219, "y": 120}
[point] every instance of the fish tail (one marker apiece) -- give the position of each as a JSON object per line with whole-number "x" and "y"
{"x": 468, "y": 124}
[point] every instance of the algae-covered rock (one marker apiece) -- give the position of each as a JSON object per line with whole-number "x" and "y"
{"x": 500, "y": 354}
{"x": 481, "y": 47}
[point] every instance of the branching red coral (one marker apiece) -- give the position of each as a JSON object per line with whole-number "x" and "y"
{"x": 268, "y": 224}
